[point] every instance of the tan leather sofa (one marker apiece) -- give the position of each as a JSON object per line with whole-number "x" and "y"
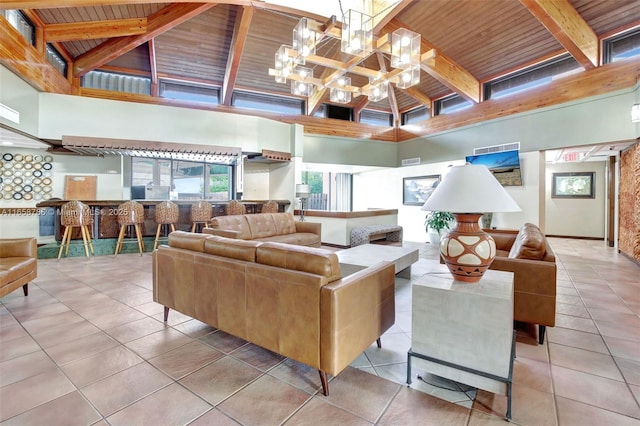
{"x": 527, "y": 253}
{"x": 288, "y": 299}
{"x": 18, "y": 264}
{"x": 276, "y": 227}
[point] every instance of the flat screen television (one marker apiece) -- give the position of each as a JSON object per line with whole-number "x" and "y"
{"x": 504, "y": 165}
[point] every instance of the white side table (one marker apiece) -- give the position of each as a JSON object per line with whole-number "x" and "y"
{"x": 464, "y": 332}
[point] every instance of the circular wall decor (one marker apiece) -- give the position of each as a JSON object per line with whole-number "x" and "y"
{"x": 7, "y": 173}
{"x": 47, "y": 166}
{"x": 46, "y": 196}
{"x": 28, "y": 196}
{"x": 18, "y": 157}
{"x": 46, "y": 189}
{"x": 8, "y": 166}
{"x": 18, "y": 165}
{"x": 28, "y": 158}
{"x": 37, "y": 166}
{"x": 47, "y": 174}
{"x": 38, "y": 196}
{"x": 17, "y": 180}
{"x": 37, "y": 158}
{"x": 7, "y": 157}
{"x": 17, "y": 196}
{"x": 17, "y": 188}
{"x": 17, "y": 173}
{"x": 1, "y": 179}
{"x": 48, "y": 158}
{"x": 37, "y": 173}
{"x": 27, "y": 188}
{"x": 7, "y": 196}
{"x": 46, "y": 181}
{"x": 28, "y": 166}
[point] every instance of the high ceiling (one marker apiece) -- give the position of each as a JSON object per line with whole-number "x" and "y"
{"x": 231, "y": 44}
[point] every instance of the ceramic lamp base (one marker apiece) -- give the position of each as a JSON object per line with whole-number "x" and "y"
{"x": 467, "y": 250}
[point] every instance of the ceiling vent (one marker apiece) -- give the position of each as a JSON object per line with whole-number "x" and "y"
{"x": 513, "y": 146}
{"x": 411, "y": 161}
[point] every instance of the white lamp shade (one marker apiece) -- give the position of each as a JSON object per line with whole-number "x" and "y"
{"x": 470, "y": 189}
{"x": 302, "y": 190}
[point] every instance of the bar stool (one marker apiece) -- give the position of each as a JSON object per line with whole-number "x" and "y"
{"x": 75, "y": 214}
{"x": 270, "y": 207}
{"x": 130, "y": 213}
{"x": 166, "y": 215}
{"x": 235, "y": 207}
{"x": 200, "y": 214}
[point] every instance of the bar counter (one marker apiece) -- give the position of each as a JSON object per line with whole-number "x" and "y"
{"x": 105, "y": 223}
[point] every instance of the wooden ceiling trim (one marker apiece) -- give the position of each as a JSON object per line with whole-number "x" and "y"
{"x": 444, "y": 69}
{"x": 95, "y": 29}
{"x": 27, "y": 62}
{"x": 359, "y": 106}
{"x": 240, "y": 32}
{"x": 565, "y": 23}
{"x": 161, "y": 21}
{"x": 597, "y": 81}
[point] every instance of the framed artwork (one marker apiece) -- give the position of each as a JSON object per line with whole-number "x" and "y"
{"x": 573, "y": 185}
{"x": 416, "y": 190}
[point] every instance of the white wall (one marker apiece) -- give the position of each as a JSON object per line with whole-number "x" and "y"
{"x": 577, "y": 217}
{"x": 383, "y": 189}
{"x": 80, "y": 116}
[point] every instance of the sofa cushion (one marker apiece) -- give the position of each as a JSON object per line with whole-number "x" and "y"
{"x": 14, "y": 268}
{"x": 306, "y": 259}
{"x": 231, "y": 248}
{"x": 529, "y": 244}
{"x": 236, "y": 223}
{"x": 188, "y": 240}
{"x": 261, "y": 225}
{"x": 284, "y": 222}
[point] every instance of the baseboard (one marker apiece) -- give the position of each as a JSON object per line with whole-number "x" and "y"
{"x": 575, "y": 238}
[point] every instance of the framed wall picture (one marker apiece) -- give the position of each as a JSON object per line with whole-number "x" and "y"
{"x": 416, "y": 190}
{"x": 573, "y": 185}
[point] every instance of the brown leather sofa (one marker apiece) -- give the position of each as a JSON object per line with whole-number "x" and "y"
{"x": 18, "y": 264}
{"x": 289, "y": 299}
{"x": 275, "y": 227}
{"x": 527, "y": 253}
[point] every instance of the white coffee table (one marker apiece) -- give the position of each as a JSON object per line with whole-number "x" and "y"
{"x": 369, "y": 254}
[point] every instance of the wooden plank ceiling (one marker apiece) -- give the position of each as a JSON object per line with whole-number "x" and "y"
{"x": 231, "y": 44}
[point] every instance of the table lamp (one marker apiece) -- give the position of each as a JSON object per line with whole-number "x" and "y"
{"x": 467, "y": 192}
{"x": 302, "y": 192}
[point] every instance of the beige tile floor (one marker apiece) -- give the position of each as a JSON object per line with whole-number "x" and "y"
{"x": 88, "y": 346}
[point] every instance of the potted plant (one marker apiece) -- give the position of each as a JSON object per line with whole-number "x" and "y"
{"x": 435, "y": 223}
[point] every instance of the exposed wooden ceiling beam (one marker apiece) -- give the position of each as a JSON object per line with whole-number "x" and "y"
{"x": 399, "y": 7}
{"x": 47, "y": 4}
{"x": 393, "y": 103}
{"x": 240, "y": 32}
{"x": 95, "y": 29}
{"x": 568, "y": 27}
{"x": 161, "y": 21}
{"x": 153, "y": 65}
{"x": 418, "y": 96}
{"x": 444, "y": 69}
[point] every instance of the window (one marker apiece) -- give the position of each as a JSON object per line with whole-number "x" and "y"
{"x": 622, "y": 47}
{"x": 279, "y": 104}
{"x": 189, "y": 92}
{"x": 117, "y": 82}
{"x": 20, "y": 23}
{"x": 451, "y": 104}
{"x": 329, "y": 191}
{"x": 415, "y": 115}
{"x": 531, "y": 77}
{"x": 181, "y": 180}
{"x": 378, "y": 118}
{"x": 56, "y": 60}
